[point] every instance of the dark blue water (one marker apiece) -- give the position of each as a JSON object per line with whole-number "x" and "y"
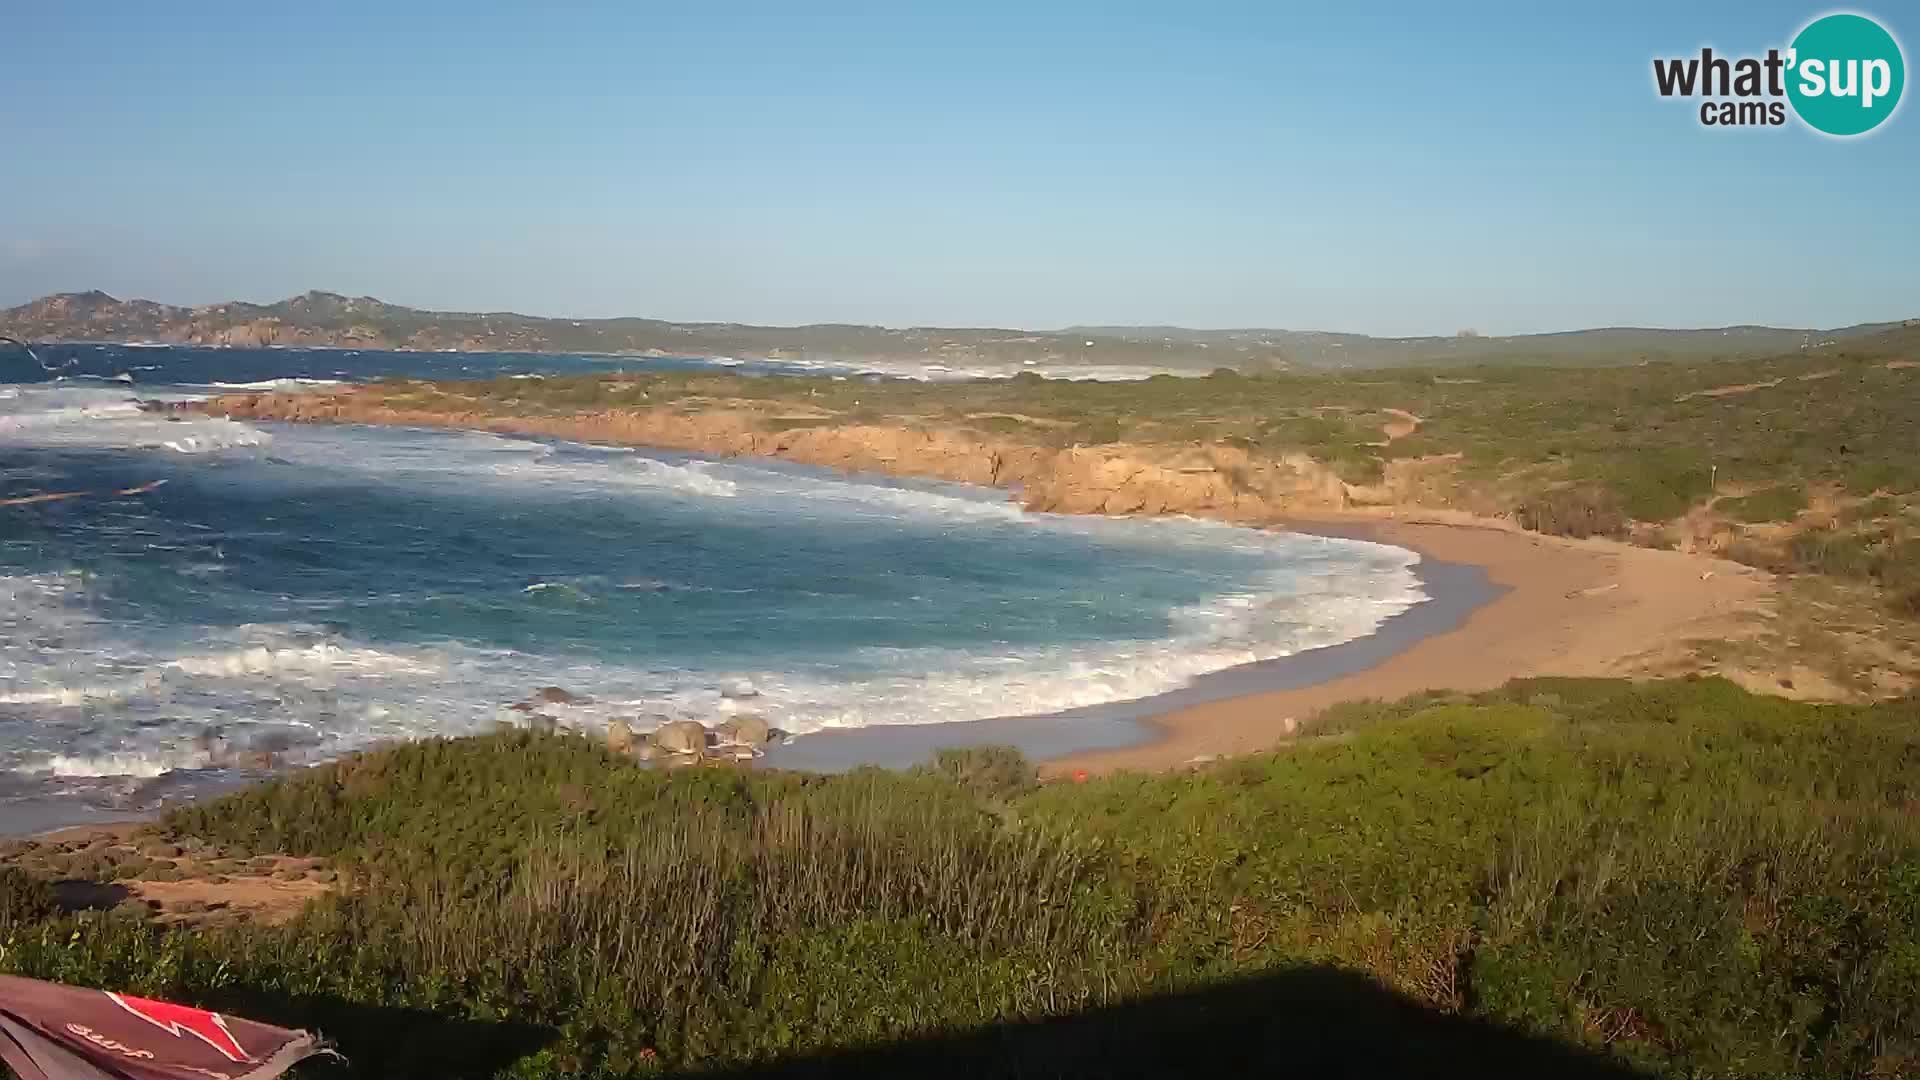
{"x": 194, "y": 365}
{"x": 201, "y": 366}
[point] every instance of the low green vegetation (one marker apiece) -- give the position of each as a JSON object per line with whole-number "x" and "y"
{"x": 24, "y": 898}
{"x": 1782, "y": 502}
{"x": 1680, "y": 876}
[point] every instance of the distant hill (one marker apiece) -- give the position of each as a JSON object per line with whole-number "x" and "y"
{"x": 1614, "y": 344}
{"x": 330, "y": 319}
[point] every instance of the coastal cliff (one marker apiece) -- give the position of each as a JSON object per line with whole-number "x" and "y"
{"x": 1206, "y": 480}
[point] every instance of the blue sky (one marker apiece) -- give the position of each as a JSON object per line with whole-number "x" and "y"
{"x": 1389, "y": 168}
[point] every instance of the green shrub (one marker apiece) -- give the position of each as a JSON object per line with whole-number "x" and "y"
{"x": 993, "y": 772}
{"x": 1574, "y": 511}
{"x": 1312, "y": 432}
{"x": 1782, "y": 503}
{"x": 1685, "y": 876}
{"x": 1659, "y": 485}
{"x": 1893, "y": 474}
{"x": 1004, "y": 425}
{"x": 1880, "y": 506}
{"x": 1767, "y": 557}
{"x": 1830, "y": 551}
{"x": 23, "y": 898}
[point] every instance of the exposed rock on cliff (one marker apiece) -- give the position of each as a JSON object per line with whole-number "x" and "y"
{"x": 1212, "y": 481}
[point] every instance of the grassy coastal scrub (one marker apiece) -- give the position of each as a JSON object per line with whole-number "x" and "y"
{"x": 1686, "y": 878}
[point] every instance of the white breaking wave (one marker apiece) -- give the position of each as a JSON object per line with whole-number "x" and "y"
{"x": 71, "y": 696}
{"x": 135, "y": 764}
{"x": 322, "y": 699}
{"x": 276, "y": 384}
{"x": 58, "y": 415}
{"x": 923, "y": 371}
{"x": 694, "y": 478}
{"x": 924, "y": 497}
{"x": 65, "y": 416}
{"x": 944, "y": 686}
{"x": 507, "y": 464}
{"x": 143, "y": 765}
{"x": 323, "y": 657}
{"x": 226, "y": 435}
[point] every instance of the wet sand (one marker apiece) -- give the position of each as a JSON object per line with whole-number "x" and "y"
{"x": 1502, "y": 604}
{"x": 1567, "y": 607}
{"x": 1454, "y": 591}
{"x": 31, "y": 817}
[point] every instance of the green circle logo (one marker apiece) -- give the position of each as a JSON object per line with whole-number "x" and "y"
{"x": 1845, "y": 74}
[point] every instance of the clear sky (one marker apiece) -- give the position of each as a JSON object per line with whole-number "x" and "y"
{"x": 1386, "y": 168}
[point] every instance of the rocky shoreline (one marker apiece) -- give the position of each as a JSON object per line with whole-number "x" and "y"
{"x": 1224, "y": 483}
{"x": 740, "y": 737}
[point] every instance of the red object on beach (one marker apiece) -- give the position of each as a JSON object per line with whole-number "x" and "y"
{"x": 54, "y": 1032}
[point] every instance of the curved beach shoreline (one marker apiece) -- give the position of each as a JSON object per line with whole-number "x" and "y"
{"x": 1567, "y": 607}
{"x": 1502, "y": 604}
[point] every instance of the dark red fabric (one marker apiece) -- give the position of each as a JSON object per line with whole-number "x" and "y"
{"x": 54, "y": 1032}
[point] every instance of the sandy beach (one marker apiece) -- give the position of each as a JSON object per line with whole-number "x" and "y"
{"x": 1569, "y": 607}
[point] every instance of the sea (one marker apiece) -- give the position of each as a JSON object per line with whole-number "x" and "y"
{"x": 185, "y": 601}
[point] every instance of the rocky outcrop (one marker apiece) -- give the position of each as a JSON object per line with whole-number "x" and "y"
{"x": 620, "y": 737}
{"x": 745, "y": 730}
{"x": 1208, "y": 481}
{"x": 1214, "y": 481}
{"x": 680, "y": 737}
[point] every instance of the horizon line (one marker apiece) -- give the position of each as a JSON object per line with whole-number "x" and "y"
{"x": 1464, "y": 334}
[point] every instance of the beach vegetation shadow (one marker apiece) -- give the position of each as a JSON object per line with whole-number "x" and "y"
{"x": 79, "y": 895}
{"x": 1317, "y": 1022}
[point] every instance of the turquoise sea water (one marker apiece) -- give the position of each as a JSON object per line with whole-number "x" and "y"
{"x": 211, "y": 587}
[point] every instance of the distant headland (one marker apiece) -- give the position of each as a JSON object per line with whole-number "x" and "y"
{"x": 330, "y": 319}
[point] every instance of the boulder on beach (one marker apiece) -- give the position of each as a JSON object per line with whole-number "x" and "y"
{"x": 619, "y": 736}
{"x": 681, "y": 737}
{"x": 746, "y": 729}
{"x": 554, "y": 695}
